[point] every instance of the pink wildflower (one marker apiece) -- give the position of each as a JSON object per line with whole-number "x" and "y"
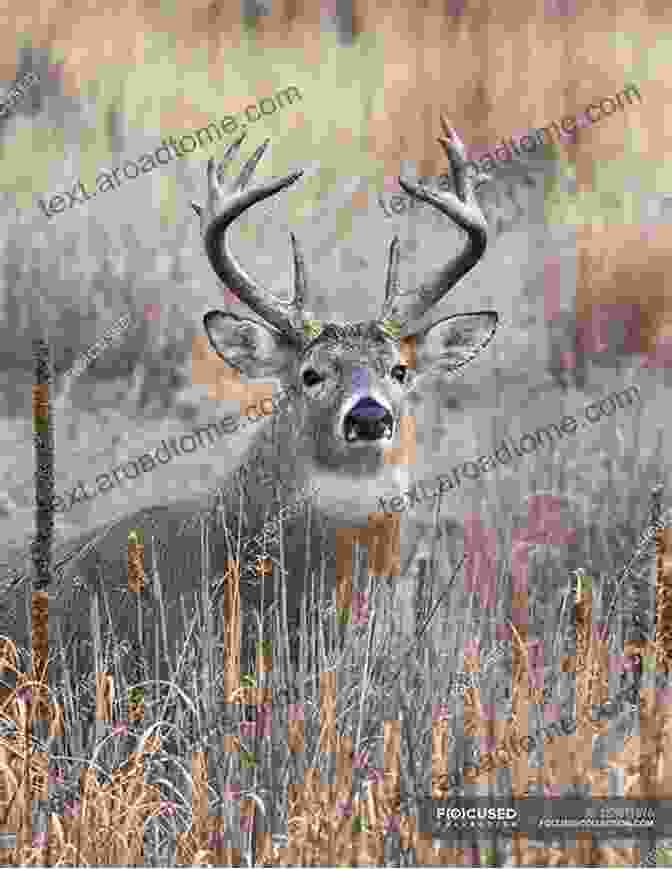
{"x": 503, "y": 632}
{"x": 360, "y": 608}
{"x": 24, "y": 694}
{"x": 375, "y": 775}
{"x": 246, "y": 823}
{"x": 72, "y": 807}
{"x": 552, "y": 287}
{"x": 620, "y": 663}
{"x": 328, "y": 7}
{"x": 440, "y": 712}
{"x": 519, "y": 615}
{"x": 248, "y": 729}
{"x": 600, "y": 631}
{"x": 231, "y": 792}
{"x": 56, "y": 775}
{"x": 455, "y": 7}
{"x": 568, "y": 360}
{"x": 472, "y": 856}
{"x": 230, "y": 297}
{"x": 488, "y": 742}
{"x": 344, "y": 808}
{"x": 664, "y": 696}
{"x": 472, "y": 647}
{"x": 392, "y": 823}
{"x": 216, "y": 839}
{"x": 296, "y": 712}
{"x": 552, "y": 712}
{"x": 488, "y": 711}
{"x": 360, "y": 760}
{"x": 480, "y": 565}
{"x": 662, "y": 355}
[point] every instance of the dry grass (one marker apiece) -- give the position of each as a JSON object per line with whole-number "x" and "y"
{"x": 251, "y": 755}
{"x": 132, "y": 770}
{"x": 335, "y": 754}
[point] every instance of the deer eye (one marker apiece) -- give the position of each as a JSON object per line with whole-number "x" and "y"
{"x": 399, "y": 373}
{"x": 311, "y": 377}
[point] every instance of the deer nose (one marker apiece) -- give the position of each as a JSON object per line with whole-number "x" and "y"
{"x": 368, "y": 421}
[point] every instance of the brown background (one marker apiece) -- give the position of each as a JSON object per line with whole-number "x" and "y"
{"x": 496, "y": 69}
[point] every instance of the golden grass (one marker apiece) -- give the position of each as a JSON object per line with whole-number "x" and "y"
{"x": 326, "y": 825}
{"x": 497, "y": 88}
{"x": 664, "y": 599}
{"x": 339, "y": 821}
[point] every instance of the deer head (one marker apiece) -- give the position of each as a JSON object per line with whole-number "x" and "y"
{"x": 349, "y": 381}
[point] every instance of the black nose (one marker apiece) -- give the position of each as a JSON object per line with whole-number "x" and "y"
{"x": 368, "y": 421}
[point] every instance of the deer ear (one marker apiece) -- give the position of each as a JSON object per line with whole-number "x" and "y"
{"x": 250, "y": 347}
{"x": 454, "y": 341}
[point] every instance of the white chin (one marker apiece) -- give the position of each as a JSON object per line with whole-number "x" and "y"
{"x": 380, "y": 444}
{"x": 353, "y": 498}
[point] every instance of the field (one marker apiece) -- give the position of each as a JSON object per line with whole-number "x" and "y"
{"x": 550, "y": 579}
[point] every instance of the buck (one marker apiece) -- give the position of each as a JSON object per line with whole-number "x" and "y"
{"x": 342, "y": 435}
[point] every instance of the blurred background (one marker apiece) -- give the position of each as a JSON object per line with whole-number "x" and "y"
{"x": 576, "y": 226}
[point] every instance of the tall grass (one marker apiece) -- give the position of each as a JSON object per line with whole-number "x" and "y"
{"x": 255, "y": 753}
{"x": 323, "y": 739}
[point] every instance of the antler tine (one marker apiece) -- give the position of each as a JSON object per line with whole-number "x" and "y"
{"x": 464, "y": 210}
{"x": 225, "y": 204}
{"x": 392, "y": 279}
{"x": 389, "y": 309}
{"x": 300, "y": 276}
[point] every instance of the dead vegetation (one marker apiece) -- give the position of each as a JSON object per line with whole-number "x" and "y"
{"x": 322, "y": 757}
{"x": 132, "y": 771}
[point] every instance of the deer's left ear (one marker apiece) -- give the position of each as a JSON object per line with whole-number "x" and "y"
{"x": 454, "y": 341}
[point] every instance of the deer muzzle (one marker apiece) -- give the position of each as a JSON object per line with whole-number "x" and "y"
{"x": 368, "y": 420}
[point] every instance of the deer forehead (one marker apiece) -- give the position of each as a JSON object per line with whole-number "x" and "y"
{"x": 360, "y": 345}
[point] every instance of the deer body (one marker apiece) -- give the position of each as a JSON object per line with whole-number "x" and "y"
{"x": 342, "y": 432}
{"x": 318, "y": 529}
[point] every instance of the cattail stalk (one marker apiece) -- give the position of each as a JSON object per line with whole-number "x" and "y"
{"x": 44, "y": 467}
{"x": 41, "y": 550}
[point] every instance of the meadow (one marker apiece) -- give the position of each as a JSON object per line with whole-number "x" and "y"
{"x": 249, "y": 755}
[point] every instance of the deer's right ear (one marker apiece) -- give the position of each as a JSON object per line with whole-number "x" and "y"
{"x": 250, "y": 347}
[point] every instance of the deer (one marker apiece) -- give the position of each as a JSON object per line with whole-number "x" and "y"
{"x": 342, "y": 434}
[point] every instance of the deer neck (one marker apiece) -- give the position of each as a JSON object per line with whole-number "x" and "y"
{"x": 279, "y": 465}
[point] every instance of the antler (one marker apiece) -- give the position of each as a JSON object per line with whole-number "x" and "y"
{"x": 465, "y": 211}
{"x": 226, "y": 204}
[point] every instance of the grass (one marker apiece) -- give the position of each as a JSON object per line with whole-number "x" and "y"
{"x": 322, "y": 755}
{"x": 134, "y": 768}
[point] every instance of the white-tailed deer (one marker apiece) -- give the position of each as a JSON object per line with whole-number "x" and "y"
{"x": 342, "y": 432}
